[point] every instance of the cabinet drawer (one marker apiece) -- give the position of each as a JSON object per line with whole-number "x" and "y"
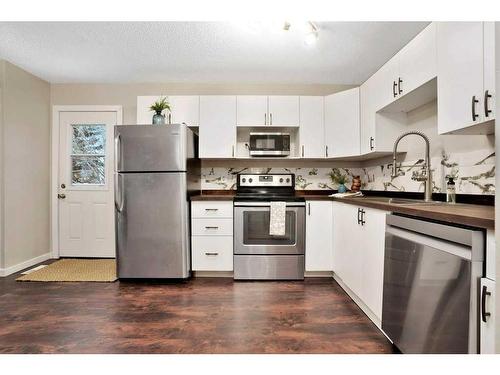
{"x": 211, "y": 209}
{"x": 211, "y": 253}
{"x": 212, "y": 227}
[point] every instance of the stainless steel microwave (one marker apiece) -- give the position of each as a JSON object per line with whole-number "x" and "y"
{"x": 269, "y": 144}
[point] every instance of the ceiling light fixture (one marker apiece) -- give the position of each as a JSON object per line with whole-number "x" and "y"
{"x": 310, "y": 29}
{"x": 312, "y": 36}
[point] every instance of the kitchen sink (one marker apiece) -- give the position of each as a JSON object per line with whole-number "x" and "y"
{"x": 403, "y": 201}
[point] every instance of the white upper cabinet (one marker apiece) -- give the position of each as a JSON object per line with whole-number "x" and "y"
{"x": 185, "y": 109}
{"x": 283, "y": 110}
{"x": 217, "y": 126}
{"x": 386, "y": 82}
{"x": 342, "y": 123}
{"x": 252, "y": 110}
{"x": 319, "y": 236}
{"x": 466, "y": 76}
{"x": 312, "y": 127}
{"x": 417, "y": 61}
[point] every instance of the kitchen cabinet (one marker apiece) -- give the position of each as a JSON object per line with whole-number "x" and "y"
{"x": 252, "y": 110}
{"x": 319, "y": 236}
{"x": 184, "y": 109}
{"x": 212, "y": 236}
{"x": 217, "y": 131}
{"x": 342, "y": 124}
{"x": 358, "y": 252}
{"x": 312, "y": 127}
{"x": 487, "y": 317}
{"x": 466, "y": 87}
{"x": 283, "y": 110}
{"x": 258, "y": 110}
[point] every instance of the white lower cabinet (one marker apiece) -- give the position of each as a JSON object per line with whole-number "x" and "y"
{"x": 358, "y": 252}
{"x": 212, "y": 236}
{"x": 319, "y": 236}
{"x": 487, "y": 317}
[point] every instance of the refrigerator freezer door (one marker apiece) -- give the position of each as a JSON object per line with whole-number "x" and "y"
{"x": 152, "y": 236}
{"x": 151, "y": 148}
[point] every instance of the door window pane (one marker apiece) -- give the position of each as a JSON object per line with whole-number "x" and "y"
{"x": 88, "y": 154}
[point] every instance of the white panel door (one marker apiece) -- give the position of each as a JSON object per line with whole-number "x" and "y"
{"x": 319, "y": 236}
{"x": 284, "y": 110}
{"x": 185, "y": 109}
{"x": 312, "y": 137}
{"x": 217, "y": 126}
{"x": 372, "y": 246}
{"x": 460, "y": 72}
{"x": 342, "y": 123}
{"x": 252, "y": 110}
{"x": 418, "y": 60}
{"x": 85, "y": 204}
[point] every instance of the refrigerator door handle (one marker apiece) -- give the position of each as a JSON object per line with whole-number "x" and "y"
{"x": 117, "y": 152}
{"x": 119, "y": 201}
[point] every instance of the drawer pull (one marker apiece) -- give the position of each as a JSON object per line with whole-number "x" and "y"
{"x": 212, "y": 254}
{"x": 211, "y": 209}
{"x": 211, "y": 227}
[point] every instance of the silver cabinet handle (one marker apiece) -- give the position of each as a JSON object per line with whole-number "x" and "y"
{"x": 270, "y": 119}
{"x": 265, "y": 118}
{"x": 326, "y": 151}
{"x": 211, "y": 253}
{"x": 487, "y": 111}
{"x": 309, "y": 209}
{"x": 484, "y": 313}
{"x": 211, "y": 227}
{"x": 371, "y": 143}
{"x": 211, "y": 209}
{"x": 474, "y": 101}
{"x": 169, "y": 118}
{"x": 302, "y": 150}
{"x": 232, "y": 151}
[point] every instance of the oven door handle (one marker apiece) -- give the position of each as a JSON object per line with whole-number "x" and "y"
{"x": 266, "y": 204}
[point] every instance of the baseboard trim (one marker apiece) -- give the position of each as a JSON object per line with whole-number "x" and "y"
{"x": 318, "y": 274}
{"x": 26, "y": 264}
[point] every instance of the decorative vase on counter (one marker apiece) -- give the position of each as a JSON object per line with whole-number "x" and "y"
{"x": 342, "y": 188}
{"x": 158, "y": 119}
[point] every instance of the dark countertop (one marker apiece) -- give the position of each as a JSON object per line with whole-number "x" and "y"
{"x": 481, "y": 216}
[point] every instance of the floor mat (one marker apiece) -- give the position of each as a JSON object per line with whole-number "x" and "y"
{"x": 93, "y": 270}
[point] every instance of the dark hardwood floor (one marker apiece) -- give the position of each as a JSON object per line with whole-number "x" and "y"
{"x": 197, "y": 316}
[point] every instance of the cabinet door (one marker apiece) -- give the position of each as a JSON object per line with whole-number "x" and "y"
{"x": 367, "y": 93}
{"x": 319, "y": 236}
{"x": 386, "y": 84}
{"x": 312, "y": 137}
{"x": 487, "y": 328}
{"x": 185, "y": 109}
{"x": 347, "y": 254}
{"x": 372, "y": 245}
{"x": 342, "y": 123}
{"x": 460, "y": 72}
{"x": 489, "y": 70}
{"x": 252, "y": 110}
{"x": 418, "y": 60}
{"x": 217, "y": 126}
{"x": 283, "y": 110}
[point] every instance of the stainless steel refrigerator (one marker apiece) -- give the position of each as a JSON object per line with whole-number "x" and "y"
{"x": 157, "y": 169}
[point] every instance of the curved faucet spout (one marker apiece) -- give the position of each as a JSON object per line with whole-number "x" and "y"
{"x": 426, "y": 174}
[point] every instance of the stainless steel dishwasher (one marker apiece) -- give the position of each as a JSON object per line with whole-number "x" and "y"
{"x": 432, "y": 273}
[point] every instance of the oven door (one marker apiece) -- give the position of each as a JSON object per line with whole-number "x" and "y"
{"x": 251, "y": 229}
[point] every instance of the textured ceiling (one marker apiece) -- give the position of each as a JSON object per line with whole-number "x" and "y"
{"x": 121, "y": 52}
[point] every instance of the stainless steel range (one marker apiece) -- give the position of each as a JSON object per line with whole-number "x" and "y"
{"x": 257, "y": 254}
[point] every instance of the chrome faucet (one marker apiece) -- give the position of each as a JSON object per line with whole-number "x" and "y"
{"x": 425, "y": 174}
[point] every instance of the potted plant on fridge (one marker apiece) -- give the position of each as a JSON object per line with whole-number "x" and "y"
{"x": 158, "y": 107}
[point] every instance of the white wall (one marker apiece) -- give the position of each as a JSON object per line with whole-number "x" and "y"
{"x": 25, "y": 167}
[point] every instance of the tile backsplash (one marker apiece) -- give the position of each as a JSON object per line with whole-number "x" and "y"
{"x": 469, "y": 159}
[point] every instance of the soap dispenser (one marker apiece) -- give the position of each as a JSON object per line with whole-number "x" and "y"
{"x": 451, "y": 196}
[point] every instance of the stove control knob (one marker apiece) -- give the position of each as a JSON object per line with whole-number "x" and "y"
{"x": 243, "y": 180}
{"x": 250, "y": 180}
{"x": 287, "y": 180}
{"x": 281, "y": 180}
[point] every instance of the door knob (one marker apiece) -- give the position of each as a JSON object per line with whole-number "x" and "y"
{"x": 61, "y": 196}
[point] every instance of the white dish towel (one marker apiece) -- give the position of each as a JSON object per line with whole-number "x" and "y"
{"x": 277, "y": 219}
